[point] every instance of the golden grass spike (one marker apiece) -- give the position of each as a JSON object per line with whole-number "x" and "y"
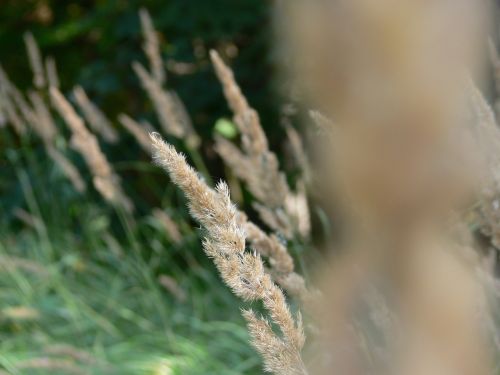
{"x": 10, "y": 98}
{"x": 264, "y": 181}
{"x": 256, "y": 165}
{"x": 35, "y": 59}
{"x": 106, "y": 182}
{"x": 140, "y": 132}
{"x": 192, "y": 139}
{"x": 278, "y": 357}
{"x": 172, "y": 286}
{"x": 269, "y": 247}
{"x": 68, "y": 169}
{"x": 239, "y": 163}
{"x": 28, "y": 266}
{"x": 44, "y": 125}
{"x": 235, "y": 98}
{"x": 279, "y": 259}
{"x": 38, "y": 116}
{"x": 53, "y": 365}
{"x": 276, "y": 219}
{"x": 94, "y": 117}
{"x": 260, "y": 173}
{"x": 22, "y": 105}
{"x": 12, "y": 116}
{"x": 242, "y": 271}
{"x": 162, "y": 101}
{"x": 247, "y": 119}
{"x": 151, "y": 47}
{"x": 169, "y": 108}
{"x": 69, "y": 351}
{"x": 51, "y": 71}
{"x": 297, "y": 209}
{"x": 168, "y": 224}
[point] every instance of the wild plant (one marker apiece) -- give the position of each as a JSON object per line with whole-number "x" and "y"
{"x": 243, "y": 271}
{"x": 255, "y": 262}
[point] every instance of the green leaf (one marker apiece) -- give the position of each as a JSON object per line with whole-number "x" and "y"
{"x": 226, "y": 128}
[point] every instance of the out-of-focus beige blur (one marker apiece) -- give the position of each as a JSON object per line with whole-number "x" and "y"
{"x": 394, "y": 79}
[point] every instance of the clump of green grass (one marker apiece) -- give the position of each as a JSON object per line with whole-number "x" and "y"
{"x": 91, "y": 303}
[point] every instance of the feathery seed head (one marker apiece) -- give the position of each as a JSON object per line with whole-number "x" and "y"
{"x": 242, "y": 271}
{"x": 35, "y": 60}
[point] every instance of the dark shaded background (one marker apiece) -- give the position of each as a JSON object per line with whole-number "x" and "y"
{"x": 94, "y": 43}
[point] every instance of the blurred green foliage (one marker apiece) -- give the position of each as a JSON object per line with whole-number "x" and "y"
{"x": 95, "y": 41}
{"x": 97, "y": 287}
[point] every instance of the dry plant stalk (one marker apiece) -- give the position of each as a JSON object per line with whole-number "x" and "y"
{"x": 44, "y": 124}
{"x": 151, "y": 47}
{"x": 39, "y": 118}
{"x": 140, "y": 131}
{"x": 28, "y": 266}
{"x": 8, "y": 106}
{"x": 50, "y": 364}
{"x": 241, "y": 270}
{"x": 282, "y": 267}
{"x": 172, "y": 286}
{"x": 162, "y": 102}
{"x": 20, "y": 313}
{"x": 171, "y": 112}
{"x": 105, "y": 180}
{"x": 51, "y": 71}
{"x": 280, "y": 261}
{"x": 169, "y": 108}
{"x": 35, "y": 59}
{"x": 297, "y": 207}
{"x": 12, "y": 116}
{"x": 94, "y": 117}
{"x": 257, "y": 165}
{"x": 71, "y": 352}
{"x": 168, "y": 224}
{"x": 24, "y": 108}
{"x": 69, "y": 170}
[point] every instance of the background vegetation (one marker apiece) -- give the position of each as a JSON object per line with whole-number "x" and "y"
{"x": 82, "y": 290}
